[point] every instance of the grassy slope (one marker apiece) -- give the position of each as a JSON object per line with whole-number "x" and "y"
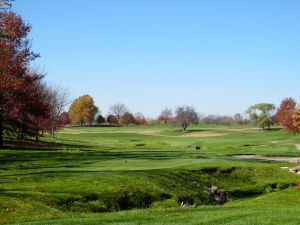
{"x": 95, "y": 169}
{"x": 273, "y": 208}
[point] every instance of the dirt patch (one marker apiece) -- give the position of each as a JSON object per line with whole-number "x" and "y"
{"x": 281, "y": 159}
{"x": 144, "y": 132}
{"x": 243, "y": 129}
{"x": 298, "y": 146}
{"x": 71, "y": 131}
{"x": 202, "y": 134}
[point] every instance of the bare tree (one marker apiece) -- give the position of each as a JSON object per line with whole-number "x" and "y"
{"x": 185, "y": 115}
{"x": 201, "y": 117}
{"x": 5, "y": 4}
{"x": 58, "y": 99}
{"x": 238, "y": 118}
{"x": 166, "y": 115}
{"x": 118, "y": 110}
{"x": 140, "y": 118}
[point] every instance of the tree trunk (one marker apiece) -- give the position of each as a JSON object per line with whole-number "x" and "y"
{"x": 37, "y": 132}
{"x": 52, "y": 132}
{"x": 52, "y": 129}
{"x": 1, "y": 131}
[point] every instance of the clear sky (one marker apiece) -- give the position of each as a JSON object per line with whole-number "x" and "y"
{"x": 219, "y": 56}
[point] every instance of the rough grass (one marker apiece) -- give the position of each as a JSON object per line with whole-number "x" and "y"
{"x": 93, "y": 170}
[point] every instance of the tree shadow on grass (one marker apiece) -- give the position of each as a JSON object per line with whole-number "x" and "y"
{"x": 40, "y": 145}
{"x": 273, "y": 129}
{"x": 195, "y": 130}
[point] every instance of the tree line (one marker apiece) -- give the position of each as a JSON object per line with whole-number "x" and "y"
{"x": 28, "y": 105}
{"x": 83, "y": 111}
{"x": 263, "y": 115}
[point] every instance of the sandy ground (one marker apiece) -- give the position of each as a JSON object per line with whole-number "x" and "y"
{"x": 202, "y": 134}
{"x": 282, "y": 159}
{"x": 146, "y": 132}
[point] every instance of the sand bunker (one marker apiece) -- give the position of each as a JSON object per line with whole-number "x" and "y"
{"x": 281, "y": 159}
{"x": 144, "y": 132}
{"x": 202, "y": 134}
{"x": 243, "y": 129}
{"x": 298, "y": 146}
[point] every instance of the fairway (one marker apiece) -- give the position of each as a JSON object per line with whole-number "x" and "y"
{"x": 143, "y": 174}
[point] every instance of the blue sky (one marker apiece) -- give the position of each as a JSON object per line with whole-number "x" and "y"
{"x": 219, "y": 56}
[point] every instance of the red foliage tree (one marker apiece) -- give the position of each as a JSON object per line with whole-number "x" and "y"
{"x": 127, "y": 118}
{"x": 284, "y": 111}
{"x": 140, "y": 119}
{"x": 63, "y": 120}
{"x": 287, "y": 115}
{"x": 291, "y": 122}
{"x": 112, "y": 119}
{"x": 15, "y": 57}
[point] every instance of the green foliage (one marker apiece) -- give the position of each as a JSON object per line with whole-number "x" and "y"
{"x": 262, "y": 114}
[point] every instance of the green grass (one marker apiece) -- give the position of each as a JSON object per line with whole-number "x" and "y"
{"x": 273, "y": 208}
{"x": 91, "y": 173}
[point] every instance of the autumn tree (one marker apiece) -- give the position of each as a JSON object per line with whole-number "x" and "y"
{"x": 15, "y": 58}
{"x": 127, "y": 118}
{"x": 296, "y": 119}
{"x": 291, "y": 120}
{"x": 165, "y": 116}
{"x": 287, "y": 106}
{"x": 118, "y": 110}
{"x": 262, "y": 114}
{"x": 184, "y": 116}
{"x": 140, "y": 119}
{"x": 112, "y": 119}
{"x": 83, "y": 110}
{"x": 32, "y": 107}
{"x": 64, "y": 120}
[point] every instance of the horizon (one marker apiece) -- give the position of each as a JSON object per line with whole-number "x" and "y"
{"x": 220, "y": 57}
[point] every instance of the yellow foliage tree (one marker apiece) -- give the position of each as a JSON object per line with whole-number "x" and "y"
{"x": 296, "y": 119}
{"x": 83, "y": 110}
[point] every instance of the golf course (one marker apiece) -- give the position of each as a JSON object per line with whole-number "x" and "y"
{"x": 160, "y": 112}
{"x": 153, "y": 174}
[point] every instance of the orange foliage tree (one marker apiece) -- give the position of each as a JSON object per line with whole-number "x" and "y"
{"x": 286, "y": 107}
{"x": 83, "y": 110}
